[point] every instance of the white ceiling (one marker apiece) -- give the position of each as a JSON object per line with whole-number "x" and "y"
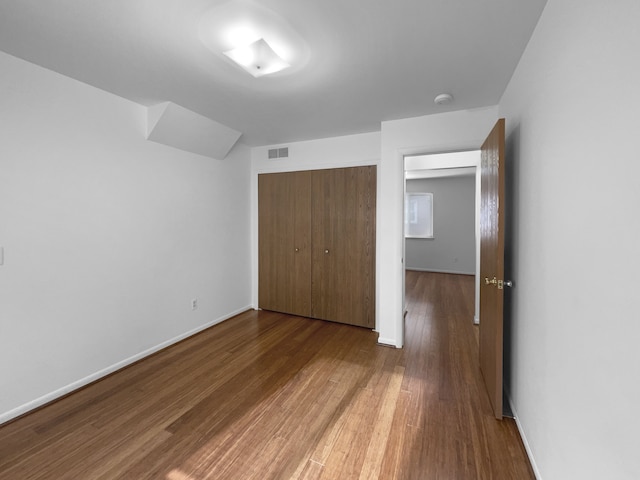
{"x": 370, "y": 60}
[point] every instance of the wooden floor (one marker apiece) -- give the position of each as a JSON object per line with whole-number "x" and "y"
{"x": 268, "y": 396}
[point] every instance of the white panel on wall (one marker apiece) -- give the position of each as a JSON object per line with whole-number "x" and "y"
{"x": 178, "y": 127}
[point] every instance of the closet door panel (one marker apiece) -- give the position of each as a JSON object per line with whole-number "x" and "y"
{"x": 358, "y": 296}
{"x": 343, "y": 256}
{"x": 301, "y": 275}
{"x": 327, "y": 192}
{"x": 284, "y": 242}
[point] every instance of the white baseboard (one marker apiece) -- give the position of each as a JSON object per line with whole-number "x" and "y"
{"x": 525, "y": 442}
{"x": 389, "y": 342}
{"x": 38, "y": 402}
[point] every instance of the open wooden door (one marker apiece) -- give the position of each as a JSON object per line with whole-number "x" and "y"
{"x": 492, "y": 225}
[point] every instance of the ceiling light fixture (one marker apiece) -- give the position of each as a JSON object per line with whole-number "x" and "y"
{"x": 443, "y": 99}
{"x": 257, "y": 58}
{"x": 258, "y": 39}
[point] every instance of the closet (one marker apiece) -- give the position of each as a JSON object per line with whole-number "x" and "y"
{"x": 316, "y": 236}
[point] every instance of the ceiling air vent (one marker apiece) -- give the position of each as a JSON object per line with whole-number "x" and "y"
{"x": 278, "y": 152}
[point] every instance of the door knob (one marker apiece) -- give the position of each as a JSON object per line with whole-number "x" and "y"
{"x": 326, "y": 250}
{"x": 499, "y": 283}
{"x": 297, "y": 250}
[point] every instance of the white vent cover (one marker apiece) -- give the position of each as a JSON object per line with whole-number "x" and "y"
{"x": 278, "y": 152}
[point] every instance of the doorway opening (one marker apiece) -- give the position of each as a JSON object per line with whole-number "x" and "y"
{"x": 453, "y": 246}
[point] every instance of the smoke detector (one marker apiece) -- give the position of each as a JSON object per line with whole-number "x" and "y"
{"x": 443, "y": 99}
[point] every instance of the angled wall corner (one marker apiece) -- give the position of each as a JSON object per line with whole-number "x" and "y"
{"x": 178, "y": 127}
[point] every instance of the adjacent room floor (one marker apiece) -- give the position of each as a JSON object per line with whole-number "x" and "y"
{"x": 271, "y": 396}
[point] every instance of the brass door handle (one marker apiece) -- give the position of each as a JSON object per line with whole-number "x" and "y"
{"x": 499, "y": 283}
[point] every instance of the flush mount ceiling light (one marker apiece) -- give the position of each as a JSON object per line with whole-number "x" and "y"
{"x": 254, "y": 37}
{"x": 443, "y": 99}
{"x": 257, "y": 58}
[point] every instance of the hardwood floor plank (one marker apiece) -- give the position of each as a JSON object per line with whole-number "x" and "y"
{"x": 311, "y": 471}
{"x": 392, "y": 466}
{"x": 271, "y": 396}
{"x": 382, "y": 426}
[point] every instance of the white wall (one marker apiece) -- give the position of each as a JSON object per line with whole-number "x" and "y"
{"x": 107, "y": 237}
{"x": 335, "y": 152}
{"x": 447, "y": 132}
{"x": 572, "y": 110}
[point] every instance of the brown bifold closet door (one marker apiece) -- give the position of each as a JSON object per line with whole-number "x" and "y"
{"x": 317, "y": 244}
{"x": 284, "y": 229}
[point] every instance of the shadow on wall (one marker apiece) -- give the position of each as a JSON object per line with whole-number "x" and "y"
{"x": 510, "y": 244}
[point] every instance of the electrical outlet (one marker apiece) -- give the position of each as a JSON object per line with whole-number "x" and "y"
{"x": 194, "y": 304}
